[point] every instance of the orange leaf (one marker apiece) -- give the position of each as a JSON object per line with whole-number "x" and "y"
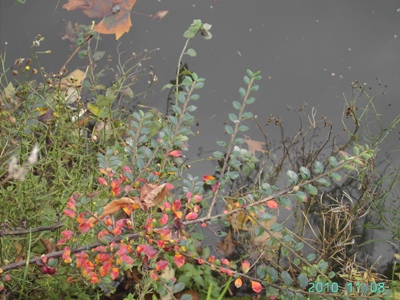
{"x": 115, "y": 13}
{"x": 256, "y": 286}
{"x": 161, "y": 265}
{"x": 175, "y": 153}
{"x": 179, "y": 259}
{"x": 238, "y": 282}
{"x": 191, "y": 216}
{"x": 112, "y": 208}
{"x": 245, "y": 266}
{"x": 272, "y": 204}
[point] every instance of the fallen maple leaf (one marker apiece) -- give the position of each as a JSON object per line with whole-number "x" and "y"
{"x": 254, "y": 145}
{"x": 115, "y": 13}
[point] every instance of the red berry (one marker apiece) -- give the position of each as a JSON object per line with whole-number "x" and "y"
{"x": 51, "y": 271}
{"x": 44, "y": 270}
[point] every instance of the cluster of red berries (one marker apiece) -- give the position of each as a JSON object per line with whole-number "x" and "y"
{"x": 47, "y": 270}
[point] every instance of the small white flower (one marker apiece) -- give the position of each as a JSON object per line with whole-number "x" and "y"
{"x": 34, "y": 155}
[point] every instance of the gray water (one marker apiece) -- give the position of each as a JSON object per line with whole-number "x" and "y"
{"x": 308, "y": 52}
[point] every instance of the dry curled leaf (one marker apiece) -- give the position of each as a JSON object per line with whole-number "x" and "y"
{"x": 112, "y": 208}
{"x": 151, "y": 195}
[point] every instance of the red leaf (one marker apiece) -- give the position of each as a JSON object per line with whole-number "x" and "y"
{"x": 102, "y": 181}
{"x": 161, "y": 265}
{"x": 69, "y": 213}
{"x": 175, "y": 153}
{"x": 256, "y": 286}
{"x": 67, "y": 234}
{"x": 191, "y": 216}
{"x": 164, "y": 219}
{"x": 114, "y": 273}
{"x": 179, "y": 259}
{"x": 272, "y": 204}
{"x": 207, "y": 178}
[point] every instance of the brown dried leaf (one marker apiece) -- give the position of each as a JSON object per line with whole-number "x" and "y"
{"x": 254, "y": 145}
{"x": 48, "y": 245}
{"x": 160, "y": 15}
{"x": 113, "y": 207}
{"x": 228, "y": 246}
{"x": 154, "y": 194}
{"x": 115, "y": 13}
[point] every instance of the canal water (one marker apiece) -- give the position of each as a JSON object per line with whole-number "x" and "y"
{"x": 307, "y": 51}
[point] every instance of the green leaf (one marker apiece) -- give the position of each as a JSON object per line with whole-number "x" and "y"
{"x": 250, "y": 100}
{"x": 250, "y": 73}
{"x": 237, "y": 105}
{"x": 261, "y": 271}
{"x": 198, "y": 85}
{"x": 176, "y": 109}
{"x": 323, "y": 181}
{"x": 349, "y": 167}
{"x": 242, "y": 92}
{"x": 182, "y": 97}
{"x": 223, "y": 233}
{"x": 292, "y": 177}
{"x": 273, "y": 274}
{"x": 254, "y": 88}
{"x": 191, "y": 108}
{"x": 335, "y": 176}
{"x": 180, "y": 286}
{"x": 301, "y": 196}
{"x": 187, "y": 297}
{"x": 310, "y": 257}
{"x": 247, "y": 114}
{"x": 187, "y": 81}
{"x": 218, "y": 154}
{"x": 287, "y": 238}
{"x": 222, "y": 143}
{"x": 356, "y": 151}
{"x": 318, "y": 167}
{"x": 173, "y": 120}
{"x": 303, "y": 281}
{"x": 332, "y": 161}
{"x": 323, "y": 265}
{"x": 286, "y": 278}
{"x": 167, "y": 86}
{"x": 98, "y": 55}
{"x": 265, "y": 216}
{"x": 304, "y": 173}
{"x": 312, "y": 190}
{"x": 246, "y": 80}
{"x": 298, "y": 246}
{"x": 194, "y": 97}
{"x": 232, "y": 117}
{"x": 285, "y": 202}
{"x": 191, "y": 52}
{"x": 258, "y": 231}
{"x": 229, "y": 129}
{"x": 243, "y": 128}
